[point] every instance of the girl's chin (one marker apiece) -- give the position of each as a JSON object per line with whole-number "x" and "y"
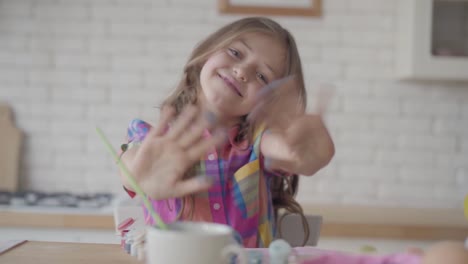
{"x": 222, "y": 100}
{"x": 223, "y": 104}
{"x": 225, "y": 113}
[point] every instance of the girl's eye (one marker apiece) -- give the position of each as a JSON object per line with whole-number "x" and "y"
{"x": 234, "y": 52}
{"x": 262, "y": 77}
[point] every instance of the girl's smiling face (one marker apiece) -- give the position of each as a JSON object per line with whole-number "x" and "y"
{"x": 232, "y": 76}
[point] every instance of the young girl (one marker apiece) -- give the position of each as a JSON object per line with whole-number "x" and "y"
{"x": 214, "y": 156}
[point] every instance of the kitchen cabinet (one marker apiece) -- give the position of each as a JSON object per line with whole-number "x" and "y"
{"x": 432, "y": 40}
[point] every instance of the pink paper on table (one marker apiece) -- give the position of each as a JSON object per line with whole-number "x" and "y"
{"x": 344, "y": 258}
{"x": 313, "y": 255}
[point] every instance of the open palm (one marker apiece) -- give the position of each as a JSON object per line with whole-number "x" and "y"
{"x": 296, "y": 141}
{"x": 166, "y": 155}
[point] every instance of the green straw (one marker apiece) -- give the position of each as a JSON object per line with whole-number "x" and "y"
{"x": 132, "y": 181}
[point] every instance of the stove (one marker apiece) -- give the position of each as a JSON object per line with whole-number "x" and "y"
{"x": 54, "y": 199}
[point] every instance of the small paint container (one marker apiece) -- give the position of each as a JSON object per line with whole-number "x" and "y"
{"x": 129, "y": 241}
{"x": 123, "y": 228}
{"x": 123, "y": 235}
{"x": 138, "y": 241}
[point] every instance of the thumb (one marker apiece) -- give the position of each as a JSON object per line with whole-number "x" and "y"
{"x": 323, "y": 98}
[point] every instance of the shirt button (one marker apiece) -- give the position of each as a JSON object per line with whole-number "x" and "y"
{"x": 216, "y": 206}
{"x": 211, "y": 157}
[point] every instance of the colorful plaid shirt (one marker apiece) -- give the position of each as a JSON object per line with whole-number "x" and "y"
{"x": 239, "y": 196}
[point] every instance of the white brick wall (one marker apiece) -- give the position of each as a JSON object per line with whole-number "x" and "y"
{"x": 67, "y": 66}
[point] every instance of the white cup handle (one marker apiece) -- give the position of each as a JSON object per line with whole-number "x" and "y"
{"x": 234, "y": 250}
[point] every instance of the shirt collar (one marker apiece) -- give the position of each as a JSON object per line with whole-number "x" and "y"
{"x": 232, "y": 134}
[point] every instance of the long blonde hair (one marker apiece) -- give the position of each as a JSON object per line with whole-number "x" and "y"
{"x": 283, "y": 189}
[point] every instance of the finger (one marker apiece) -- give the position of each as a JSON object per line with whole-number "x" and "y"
{"x": 183, "y": 121}
{"x": 275, "y": 115}
{"x": 192, "y": 185}
{"x": 274, "y": 86}
{"x": 272, "y": 165}
{"x": 204, "y": 122}
{"x": 277, "y": 103}
{"x": 270, "y": 93}
{"x": 167, "y": 115}
{"x": 264, "y": 97}
{"x": 259, "y": 113}
{"x": 268, "y": 109}
{"x": 200, "y": 148}
{"x": 191, "y": 136}
{"x": 323, "y": 98}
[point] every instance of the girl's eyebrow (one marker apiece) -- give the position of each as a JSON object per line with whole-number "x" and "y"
{"x": 249, "y": 48}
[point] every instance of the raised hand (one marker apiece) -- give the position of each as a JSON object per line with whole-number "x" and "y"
{"x": 277, "y": 103}
{"x": 166, "y": 155}
{"x": 295, "y": 142}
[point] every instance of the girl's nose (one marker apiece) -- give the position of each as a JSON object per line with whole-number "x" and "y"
{"x": 240, "y": 73}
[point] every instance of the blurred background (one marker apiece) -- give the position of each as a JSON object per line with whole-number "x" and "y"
{"x": 399, "y": 115}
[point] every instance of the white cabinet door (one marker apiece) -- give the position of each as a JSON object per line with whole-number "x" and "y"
{"x": 414, "y": 36}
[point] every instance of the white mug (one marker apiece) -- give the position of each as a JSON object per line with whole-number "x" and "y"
{"x": 193, "y": 243}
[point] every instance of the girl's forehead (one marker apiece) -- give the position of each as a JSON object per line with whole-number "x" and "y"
{"x": 260, "y": 37}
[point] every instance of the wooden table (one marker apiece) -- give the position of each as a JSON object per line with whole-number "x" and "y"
{"x": 57, "y": 252}
{"x": 338, "y": 221}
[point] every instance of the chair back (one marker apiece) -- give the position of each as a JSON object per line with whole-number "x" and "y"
{"x": 292, "y": 229}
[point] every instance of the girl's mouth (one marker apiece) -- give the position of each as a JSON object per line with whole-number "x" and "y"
{"x": 231, "y": 83}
